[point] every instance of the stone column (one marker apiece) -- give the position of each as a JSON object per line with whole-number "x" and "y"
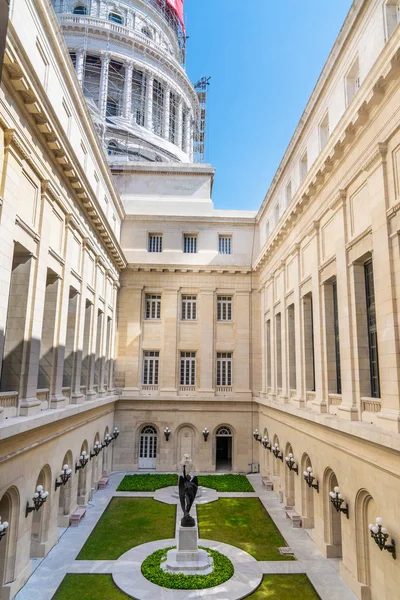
{"x": 207, "y": 346}
{"x": 320, "y": 403}
{"x": 188, "y": 130}
{"x": 263, "y": 343}
{"x": 300, "y": 385}
{"x": 285, "y": 360}
{"x": 111, "y": 360}
{"x": 179, "y": 119}
{"x": 80, "y": 66}
{"x": 169, "y": 314}
{"x": 76, "y": 394}
{"x": 148, "y": 119}
{"x": 167, "y": 107}
{"x": 127, "y": 100}
{"x": 103, "y": 89}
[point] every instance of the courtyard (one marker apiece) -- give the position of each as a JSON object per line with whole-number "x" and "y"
{"x": 137, "y": 515}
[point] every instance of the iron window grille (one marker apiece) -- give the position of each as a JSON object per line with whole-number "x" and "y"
{"x": 224, "y": 369}
{"x": 372, "y": 330}
{"x": 190, "y": 244}
{"x": 225, "y": 244}
{"x": 151, "y": 359}
{"x": 155, "y": 242}
{"x": 224, "y": 308}
{"x": 189, "y": 308}
{"x": 188, "y": 368}
{"x": 153, "y": 306}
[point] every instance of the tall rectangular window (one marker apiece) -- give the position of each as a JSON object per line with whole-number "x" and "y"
{"x": 303, "y": 167}
{"x": 372, "y": 331}
{"x": 151, "y": 360}
{"x": 337, "y": 338}
{"x": 189, "y": 308}
{"x": 309, "y": 343}
{"x": 225, "y": 244}
{"x": 153, "y": 306}
{"x": 324, "y": 131}
{"x": 352, "y": 81}
{"x": 188, "y": 368}
{"x": 155, "y": 242}
{"x": 224, "y": 369}
{"x": 224, "y": 308}
{"x": 289, "y": 193}
{"x": 189, "y": 243}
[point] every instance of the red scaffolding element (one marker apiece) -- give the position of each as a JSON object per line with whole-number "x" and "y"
{"x": 177, "y": 7}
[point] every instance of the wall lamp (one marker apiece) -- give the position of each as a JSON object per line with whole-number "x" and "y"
{"x": 337, "y": 501}
{"x": 83, "y": 461}
{"x": 266, "y": 444}
{"x": 167, "y": 433}
{"x": 3, "y": 528}
{"x": 115, "y": 433}
{"x": 256, "y": 435}
{"x": 276, "y": 452}
{"x": 205, "y": 433}
{"x": 309, "y": 478}
{"x": 380, "y": 535}
{"x": 64, "y": 476}
{"x": 97, "y": 448}
{"x": 39, "y": 498}
{"x": 107, "y": 440}
{"x": 290, "y": 462}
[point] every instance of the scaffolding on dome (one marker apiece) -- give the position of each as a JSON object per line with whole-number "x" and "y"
{"x": 135, "y": 139}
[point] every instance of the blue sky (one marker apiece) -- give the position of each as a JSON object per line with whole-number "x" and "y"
{"x": 264, "y": 58}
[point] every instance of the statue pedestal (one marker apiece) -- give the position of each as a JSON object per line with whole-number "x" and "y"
{"x": 187, "y": 558}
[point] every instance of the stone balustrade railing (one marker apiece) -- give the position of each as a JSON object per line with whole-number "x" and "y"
{"x": 9, "y": 403}
{"x": 371, "y": 405}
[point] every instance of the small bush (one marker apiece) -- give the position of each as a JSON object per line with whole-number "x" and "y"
{"x": 151, "y": 569}
{"x": 146, "y": 482}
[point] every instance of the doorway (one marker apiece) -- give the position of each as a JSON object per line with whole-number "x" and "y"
{"x": 223, "y": 460}
{"x": 148, "y": 448}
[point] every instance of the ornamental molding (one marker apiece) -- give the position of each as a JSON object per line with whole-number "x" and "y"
{"x": 137, "y": 268}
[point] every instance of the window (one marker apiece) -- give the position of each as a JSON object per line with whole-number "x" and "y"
{"x": 116, "y": 18}
{"x": 158, "y": 107}
{"x": 188, "y": 368}
{"x": 352, "y": 81}
{"x": 225, "y": 244}
{"x": 151, "y": 360}
{"x": 289, "y": 194}
{"x": 309, "y": 356}
{"x": 224, "y": 308}
{"x": 155, "y": 242}
{"x": 112, "y": 148}
{"x": 79, "y": 9}
{"x": 153, "y": 306}
{"x": 303, "y": 167}
{"x": 277, "y": 212}
{"x": 337, "y": 338}
{"x": 372, "y": 331}
{"x": 224, "y": 369}
{"x": 190, "y": 243}
{"x": 267, "y": 230}
{"x": 392, "y": 10}
{"x": 147, "y": 32}
{"x": 324, "y": 131}
{"x": 189, "y": 308}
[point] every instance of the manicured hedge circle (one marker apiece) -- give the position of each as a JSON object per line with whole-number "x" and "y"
{"x": 151, "y": 569}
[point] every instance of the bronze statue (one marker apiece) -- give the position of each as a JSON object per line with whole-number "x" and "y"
{"x": 187, "y": 493}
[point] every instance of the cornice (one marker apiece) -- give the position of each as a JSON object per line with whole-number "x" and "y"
{"x": 220, "y": 270}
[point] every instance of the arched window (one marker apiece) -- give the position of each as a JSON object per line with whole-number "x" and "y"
{"x": 116, "y": 18}
{"x": 148, "y": 447}
{"x": 224, "y": 431}
{"x": 80, "y": 9}
{"x": 147, "y": 32}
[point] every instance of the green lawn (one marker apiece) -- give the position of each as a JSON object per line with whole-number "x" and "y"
{"x": 242, "y": 522}
{"x": 226, "y": 483}
{"x": 88, "y": 587}
{"x": 146, "y": 482}
{"x": 128, "y": 522}
{"x": 284, "y": 587}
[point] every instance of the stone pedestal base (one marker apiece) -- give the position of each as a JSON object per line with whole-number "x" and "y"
{"x": 187, "y": 558}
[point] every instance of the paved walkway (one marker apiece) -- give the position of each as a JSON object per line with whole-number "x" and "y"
{"x": 322, "y": 572}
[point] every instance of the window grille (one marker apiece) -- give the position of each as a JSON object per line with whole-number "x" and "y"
{"x": 190, "y": 244}
{"x": 372, "y": 330}
{"x": 225, "y": 244}
{"x": 189, "y": 308}
{"x": 151, "y": 360}
{"x": 155, "y": 242}
{"x": 224, "y": 369}
{"x": 153, "y": 306}
{"x": 224, "y": 308}
{"x": 188, "y": 368}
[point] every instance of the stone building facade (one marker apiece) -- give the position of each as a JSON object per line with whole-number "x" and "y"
{"x": 128, "y": 301}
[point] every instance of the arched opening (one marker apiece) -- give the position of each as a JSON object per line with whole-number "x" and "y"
{"x": 307, "y": 496}
{"x": 290, "y": 496}
{"x": 332, "y": 518}
{"x": 79, "y": 9}
{"x": 148, "y": 448}
{"x": 185, "y": 437}
{"x": 41, "y": 517}
{"x": 223, "y": 446}
{"x": 81, "y": 497}
{"x": 371, "y": 563}
{"x": 9, "y": 511}
{"x": 147, "y": 32}
{"x": 65, "y": 494}
{"x": 116, "y": 18}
